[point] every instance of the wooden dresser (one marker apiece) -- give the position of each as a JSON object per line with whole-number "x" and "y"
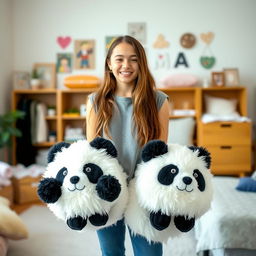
{"x": 230, "y": 143}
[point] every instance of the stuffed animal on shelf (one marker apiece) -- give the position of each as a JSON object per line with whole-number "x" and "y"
{"x": 172, "y": 187}
{"x": 84, "y": 184}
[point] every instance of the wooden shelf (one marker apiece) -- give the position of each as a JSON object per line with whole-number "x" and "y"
{"x": 73, "y": 117}
{"x": 51, "y": 117}
{"x": 180, "y": 98}
{"x": 180, "y": 116}
{"x": 44, "y": 144}
{"x": 38, "y": 91}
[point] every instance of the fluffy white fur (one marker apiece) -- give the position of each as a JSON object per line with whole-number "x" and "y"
{"x": 86, "y": 202}
{"x": 146, "y": 194}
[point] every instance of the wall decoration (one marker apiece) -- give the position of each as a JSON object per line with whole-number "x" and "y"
{"x": 207, "y": 59}
{"x": 63, "y": 41}
{"x": 232, "y": 77}
{"x": 218, "y": 79}
{"x": 181, "y": 60}
{"x": 21, "y": 80}
{"x": 64, "y": 62}
{"x": 138, "y": 31}
{"x": 108, "y": 41}
{"x": 84, "y": 54}
{"x": 47, "y": 74}
{"x": 162, "y": 58}
{"x": 187, "y": 40}
{"x": 207, "y": 37}
{"x": 207, "y": 62}
{"x": 160, "y": 42}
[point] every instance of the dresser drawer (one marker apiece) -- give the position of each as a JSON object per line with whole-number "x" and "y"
{"x": 230, "y": 159}
{"x": 225, "y": 133}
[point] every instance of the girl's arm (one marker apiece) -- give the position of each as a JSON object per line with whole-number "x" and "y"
{"x": 90, "y": 121}
{"x": 163, "y": 116}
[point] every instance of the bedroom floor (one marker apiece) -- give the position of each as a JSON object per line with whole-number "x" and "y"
{"x": 51, "y": 237}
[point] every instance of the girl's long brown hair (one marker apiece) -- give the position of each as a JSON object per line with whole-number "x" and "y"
{"x": 145, "y": 113}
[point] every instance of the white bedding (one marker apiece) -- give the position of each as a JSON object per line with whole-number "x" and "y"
{"x": 231, "y": 222}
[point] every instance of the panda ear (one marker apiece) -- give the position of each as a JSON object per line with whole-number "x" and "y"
{"x": 99, "y": 143}
{"x": 153, "y": 149}
{"x": 203, "y": 152}
{"x": 56, "y": 148}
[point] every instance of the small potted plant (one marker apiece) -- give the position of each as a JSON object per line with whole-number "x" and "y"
{"x": 7, "y": 129}
{"x": 51, "y": 110}
{"x": 35, "y": 79}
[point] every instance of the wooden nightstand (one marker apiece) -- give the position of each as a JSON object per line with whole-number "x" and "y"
{"x": 229, "y": 144}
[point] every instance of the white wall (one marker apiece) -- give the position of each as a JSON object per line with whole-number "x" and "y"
{"x": 6, "y": 47}
{"x": 37, "y": 24}
{"x": 6, "y": 56}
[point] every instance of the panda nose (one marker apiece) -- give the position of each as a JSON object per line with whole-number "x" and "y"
{"x": 74, "y": 179}
{"x": 187, "y": 180}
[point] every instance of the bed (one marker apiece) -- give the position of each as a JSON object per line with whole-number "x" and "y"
{"x": 229, "y": 228}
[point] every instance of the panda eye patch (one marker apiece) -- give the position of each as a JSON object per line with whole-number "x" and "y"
{"x": 167, "y": 174}
{"x": 200, "y": 180}
{"x": 62, "y": 173}
{"x": 93, "y": 172}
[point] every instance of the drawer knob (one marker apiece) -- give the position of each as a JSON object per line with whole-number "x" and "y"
{"x": 225, "y": 147}
{"x": 226, "y": 125}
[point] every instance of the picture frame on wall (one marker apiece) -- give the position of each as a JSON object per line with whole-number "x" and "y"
{"x": 138, "y": 31}
{"x": 84, "y": 55}
{"x": 108, "y": 41}
{"x": 218, "y": 79}
{"x": 232, "y": 77}
{"x": 21, "y": 80}
{"x": 47, "y": 74}
{"x": 64, "y": 62}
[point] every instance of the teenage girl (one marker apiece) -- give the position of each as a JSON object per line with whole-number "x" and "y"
{"x": 128, "y": 110}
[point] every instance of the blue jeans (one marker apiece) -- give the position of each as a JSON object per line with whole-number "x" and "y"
{"x": 112, "y": 242}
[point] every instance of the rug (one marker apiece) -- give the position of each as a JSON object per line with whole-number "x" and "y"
{"x": 49, "y": 236}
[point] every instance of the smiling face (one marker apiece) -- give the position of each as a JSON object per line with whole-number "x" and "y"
{"x": 84, "y": 178}
{"x": 175, "y": 181}
{"x": 124, "y": 64}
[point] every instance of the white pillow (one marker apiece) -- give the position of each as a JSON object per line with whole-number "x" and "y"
{"x": 181, "y": 131}
{"x": 254, "y": 175}
{"x": 220, "y": 106}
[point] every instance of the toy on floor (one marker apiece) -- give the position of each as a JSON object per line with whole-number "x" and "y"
{"x": 172, "y": 187}
{"x": 84, "y": 184}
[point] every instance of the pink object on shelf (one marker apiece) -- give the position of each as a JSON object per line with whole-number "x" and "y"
{"x": 179, "y": 80}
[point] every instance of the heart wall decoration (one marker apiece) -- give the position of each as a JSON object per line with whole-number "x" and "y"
{"x": 63, "y": 41}
{"x": 207, "y": 60}
{"x": 207, "y": 37}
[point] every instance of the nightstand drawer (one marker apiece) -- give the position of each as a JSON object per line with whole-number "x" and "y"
{"x": 230, "y": 158}
{"x": 225, "y": 133}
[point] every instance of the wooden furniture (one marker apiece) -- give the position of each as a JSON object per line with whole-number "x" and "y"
{"x": 62, "y": 100}
{"x": 228, "y": 142}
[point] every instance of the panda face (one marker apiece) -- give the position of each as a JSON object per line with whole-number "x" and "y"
{"x": 90, "y": 174}
{"x": 174, "y": 180}
{"x": 168, "y": 173}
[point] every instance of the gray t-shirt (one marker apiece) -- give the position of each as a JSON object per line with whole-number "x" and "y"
{"x": 121, "y": 131}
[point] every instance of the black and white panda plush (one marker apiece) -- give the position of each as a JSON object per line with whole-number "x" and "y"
{"x": 84, "y": 184}
{"x": 172, "y": 187}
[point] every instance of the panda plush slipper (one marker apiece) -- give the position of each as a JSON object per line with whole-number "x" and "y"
{"x": 84, "y": 184}
{"x": 172, "y": 187}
